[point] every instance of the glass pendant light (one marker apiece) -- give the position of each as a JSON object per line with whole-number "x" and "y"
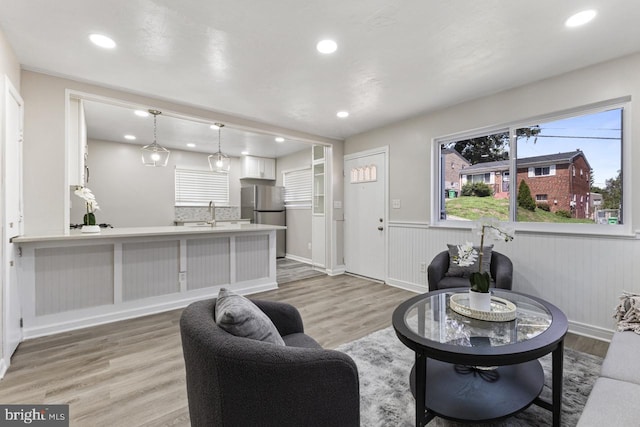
{"x": 219, "y": 162}
{"x": 153, "y": 154}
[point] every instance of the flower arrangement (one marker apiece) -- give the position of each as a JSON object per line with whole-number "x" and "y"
{"x": 467, "y": 255}
{"x": 90, "y": 203}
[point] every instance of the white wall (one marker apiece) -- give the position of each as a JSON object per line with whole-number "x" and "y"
{"x": 133, "y": 195}
{"x": 583, "y": 275}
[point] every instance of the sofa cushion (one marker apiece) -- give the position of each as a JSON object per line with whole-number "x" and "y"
{"x": 456, "y": 270}
{"x": 611, "y": 403}
{"x": 621, "y": 362}
{"x": 241, "y": 317}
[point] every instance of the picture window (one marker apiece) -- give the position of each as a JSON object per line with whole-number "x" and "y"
{"x": 549, "y": 155}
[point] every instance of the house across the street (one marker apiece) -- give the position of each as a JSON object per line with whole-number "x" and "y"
{"x": 559, "y": 180}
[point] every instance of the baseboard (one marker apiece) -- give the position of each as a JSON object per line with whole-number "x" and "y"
{"x": 407, "y": 286}
{"x": 3, "y": 368}
{"x": 338, "y": 270}
{"x": 590, "y": 331}
{"x": 298, "y": 258}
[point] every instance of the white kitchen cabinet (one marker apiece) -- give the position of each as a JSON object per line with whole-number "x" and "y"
{"x": 258, "y": 168}
{"x": 77, "y": 143}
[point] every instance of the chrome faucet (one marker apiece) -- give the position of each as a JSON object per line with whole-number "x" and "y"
{"x": 212, "y": 212}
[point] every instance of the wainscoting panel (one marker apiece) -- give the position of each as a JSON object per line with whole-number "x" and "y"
{"x": 582, "y": 275}
{"x": 72, "y": 278}
{"x": 208, "y": 263}
{"x": 250, "y": 260}
{"x": 150, "y": 269}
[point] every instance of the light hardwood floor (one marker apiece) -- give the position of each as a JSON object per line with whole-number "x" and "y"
{"x": 131, "y": 373}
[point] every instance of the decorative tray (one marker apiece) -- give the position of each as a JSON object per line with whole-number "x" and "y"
{"x": 501, "y": 309}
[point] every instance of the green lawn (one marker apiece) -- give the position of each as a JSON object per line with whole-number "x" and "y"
{"x": 473, "y": 208}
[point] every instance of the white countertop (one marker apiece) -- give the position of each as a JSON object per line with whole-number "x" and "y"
{"x": 110, "y": 233}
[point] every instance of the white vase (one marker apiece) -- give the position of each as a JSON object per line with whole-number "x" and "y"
{"x": 90, "y": 229}
{"x": 480, "y": 300}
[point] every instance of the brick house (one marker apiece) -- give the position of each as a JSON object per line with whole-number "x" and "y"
{"x": 560, "y": 180}
{"x": 452, "y": 164}
{"x": 494, "y": 174}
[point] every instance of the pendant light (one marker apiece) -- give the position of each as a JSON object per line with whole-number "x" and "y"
{"x": 219, "y": 162}
{"x": 153, "y": 154}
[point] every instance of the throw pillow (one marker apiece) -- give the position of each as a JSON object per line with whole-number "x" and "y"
{"x": 242, "y": 318}
{"x": 456, "y": 270}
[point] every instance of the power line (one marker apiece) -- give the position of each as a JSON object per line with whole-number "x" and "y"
{"x": 578, "y": 137}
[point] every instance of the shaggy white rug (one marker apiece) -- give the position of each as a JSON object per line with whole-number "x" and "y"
{"x": 384, "y": 364}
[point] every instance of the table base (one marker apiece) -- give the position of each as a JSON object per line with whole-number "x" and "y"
{"x": 466, "y": 394}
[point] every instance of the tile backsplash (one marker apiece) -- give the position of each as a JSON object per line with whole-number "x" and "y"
{"x": 201, "y": 213}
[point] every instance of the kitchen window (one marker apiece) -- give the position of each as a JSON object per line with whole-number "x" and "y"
{"x": 198, "y": 188}
{"x": 563, "y": 158}
{"x": 297, "y": 187}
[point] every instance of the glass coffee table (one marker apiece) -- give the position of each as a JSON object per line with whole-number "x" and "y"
{"x": 470, "y": 370}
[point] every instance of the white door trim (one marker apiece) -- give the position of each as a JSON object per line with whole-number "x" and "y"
{"x": 10, "y": 93}
{"x": 379, "y": 150}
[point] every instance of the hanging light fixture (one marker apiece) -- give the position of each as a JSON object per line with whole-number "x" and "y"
{"x": 219, "y": 162}
{"x": 153, "y": 154}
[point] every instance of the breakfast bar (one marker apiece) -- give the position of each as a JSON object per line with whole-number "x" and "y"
{"x": 74, "y": 280}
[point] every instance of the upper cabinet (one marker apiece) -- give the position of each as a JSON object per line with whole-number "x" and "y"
{"x": 258, "y": 168}
{"x": 77, "y": 143}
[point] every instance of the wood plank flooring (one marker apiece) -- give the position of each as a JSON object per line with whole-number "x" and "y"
{"x": 290, "y": 271}
{"x": 131, "y": 373}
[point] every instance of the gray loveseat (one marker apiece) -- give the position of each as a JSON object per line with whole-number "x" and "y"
{"x": 234, "y": 381}
{"x": 615, "y": 395}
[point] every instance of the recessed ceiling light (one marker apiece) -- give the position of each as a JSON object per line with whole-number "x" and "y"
{"x": 141, "y": 113}
{"x": 214, "y": 127}
{"x": 244, "y": 153}
{"x": 342, "y": 114}
{"x": 327, "y": 46}
{"x": 580, "y": 18}
{"x": 102, "y": 41}
{"x": 279, "y": 139}
{"x": 191, "y": 145}
{"x": 130, "y": 137}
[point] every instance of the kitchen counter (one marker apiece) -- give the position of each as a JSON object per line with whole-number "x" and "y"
{"x": 110, "y": 233}
{"x": 74, "y": 280}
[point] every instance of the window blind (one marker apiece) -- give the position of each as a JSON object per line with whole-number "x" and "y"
{"x": 297, "y": 187}
{"x": 198, "y": 188}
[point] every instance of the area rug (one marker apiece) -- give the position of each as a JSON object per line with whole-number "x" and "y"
{"x": 384, "y": 364}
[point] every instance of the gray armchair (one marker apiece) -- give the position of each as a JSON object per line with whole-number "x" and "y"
{"x": 234, "y": 381}
{"x": 501, "y": 273}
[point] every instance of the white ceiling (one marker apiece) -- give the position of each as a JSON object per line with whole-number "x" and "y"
{"x": 107, "y": 122}
{"x": 257, "y": 59}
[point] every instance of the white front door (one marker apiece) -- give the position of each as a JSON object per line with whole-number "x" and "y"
{"x": 365, "y": 214}
{"x": 12, "y": 226}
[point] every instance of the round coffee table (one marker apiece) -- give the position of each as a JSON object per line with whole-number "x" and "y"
{"x": 474, "y": 370}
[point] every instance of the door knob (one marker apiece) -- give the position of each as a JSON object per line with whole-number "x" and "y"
{"x": 380, "y": 228}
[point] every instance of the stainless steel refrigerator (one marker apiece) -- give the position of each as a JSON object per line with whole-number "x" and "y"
{"x": 264, "y": 204}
